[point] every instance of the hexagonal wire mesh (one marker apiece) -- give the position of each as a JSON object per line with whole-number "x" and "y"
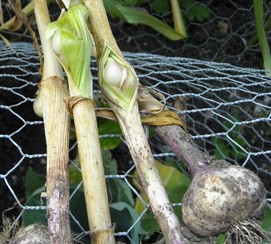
{"x": 226, "y": 105}
{"x": 228, "y": 108}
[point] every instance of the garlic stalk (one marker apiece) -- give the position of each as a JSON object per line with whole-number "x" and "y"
{"x": 222, "y": 198}
{"x": 72, "y": 43}
{"x": 119, "y": 84}
{"x": 50, "y": 105}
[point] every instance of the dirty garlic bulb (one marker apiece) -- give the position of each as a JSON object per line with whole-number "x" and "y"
{"x": 220, "y": 197}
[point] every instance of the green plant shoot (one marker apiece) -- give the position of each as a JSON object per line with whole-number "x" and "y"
{"x": 258, "y": 12}
{"x": 71, "y": 41}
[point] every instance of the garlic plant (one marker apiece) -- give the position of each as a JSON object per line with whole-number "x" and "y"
{"x": 71, "y": 41}
{"x": 50, "y": 105}
{"x": 119, "y": 85}
{"x": 222, "y": 198}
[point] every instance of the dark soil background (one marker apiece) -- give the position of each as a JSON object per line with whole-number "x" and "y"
{"x": 222, "y": 38}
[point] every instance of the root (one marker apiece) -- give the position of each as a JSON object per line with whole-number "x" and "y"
{"x": 8, "y": 229}
{"x": 247, "y": 232}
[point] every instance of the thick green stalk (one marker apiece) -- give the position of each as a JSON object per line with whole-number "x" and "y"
{"x": 177, "y": 18}
{"x": 258, "y": 12}
{"x": 118, "y": 94}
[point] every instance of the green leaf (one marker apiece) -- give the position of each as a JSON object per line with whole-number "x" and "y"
{"x": 128, "y": 217}
{"x": 110, "y": 168}
{"x": 128, "y": 2}
{"x": 78, "y": 209}
{"x": 109, "y": 127}
{"x": 110, "y": 165}
{"x": 139, "y": 16}
{"x": 176, "y": 184}
{"x": 33, "y": 181}
{"x": 119, "y": 191}
{"x": 221, "y": 148}
{"x": 160, "y": 7}
{"x": 75, "y": 176}
{"x": 266, "y": 222}
{"x": 199, "y": 13}
{"x": 35, "y": 216}
{"x": 221, "y": 239}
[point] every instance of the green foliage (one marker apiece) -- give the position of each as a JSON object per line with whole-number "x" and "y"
{"x": 259, "y": 18}
{"x": 118, "y": 190}
{"x": 135, "y": 12}
{"x": 126, "y": 216}
{"x": 109, "y": 127}
{"x": 134, "y": 15}
{"x": 196, "y": 11}
{"x": 176, "y": 184}
{"x": 160, "y": 7}
{"x": 38, "y": 216}
{"x": 221, "y": 239}
{"x": 32, "y": 182}
{"x": 120, "y": 197}
{"x": 225, "y": 148}
{"x": 266, "y": 222}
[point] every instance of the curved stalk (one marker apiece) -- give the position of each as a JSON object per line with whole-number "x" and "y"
{"x": 175, "y": 136}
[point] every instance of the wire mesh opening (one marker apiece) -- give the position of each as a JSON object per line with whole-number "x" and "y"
{"x": 227, "y": 107}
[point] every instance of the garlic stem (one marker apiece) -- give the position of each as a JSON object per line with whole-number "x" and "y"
{"x": 50, "y": 104}
{"x": 137, "y": 143}
{"x": 101, "y": 228}
{"x": 129, "y": 119}
{"x": 73, "y": 44}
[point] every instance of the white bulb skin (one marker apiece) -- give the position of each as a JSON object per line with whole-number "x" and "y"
{"x": 113, "y": 72}
{"x": 38, "y": 105}
{"x": 56, "y": 43}
{"x": 219, "y": 198}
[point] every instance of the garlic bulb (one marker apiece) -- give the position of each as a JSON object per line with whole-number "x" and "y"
{"x": 114, "y": 73}
{"x": 220, "y": 197}
{"x": 56, "y": 43}
{"x": 38, "y": 105}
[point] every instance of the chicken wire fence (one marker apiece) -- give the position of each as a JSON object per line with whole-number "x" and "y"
{"x": 228, "y": 114}
{"x": 227, "y": 107}
{"x": 223, "y": 31}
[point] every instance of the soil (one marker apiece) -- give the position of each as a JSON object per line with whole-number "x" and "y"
{"x": 206, "y": 41}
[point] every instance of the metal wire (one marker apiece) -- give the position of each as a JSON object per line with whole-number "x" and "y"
{"x": 226, "y": 105}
